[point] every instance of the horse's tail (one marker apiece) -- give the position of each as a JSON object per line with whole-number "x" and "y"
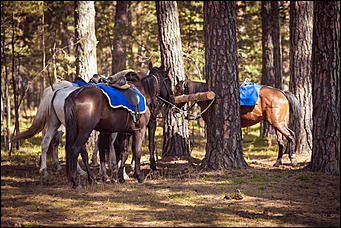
{"x": 295, "y": 109}
{"x": 39, "y": 121}
{"x": 71, "y": 129}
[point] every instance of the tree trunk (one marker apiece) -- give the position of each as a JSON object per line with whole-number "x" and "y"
{"x": 86, "y": 64}
{"x": 301, "y": 38}
{"x": 120, "y": 38}
{"x": 271, "y": 61}
{"x": 175, "y": 131}
{"x": 6, "y": 97}
{"x": 326, "y": 88}
{"x": 224, "y": 138}
{"x": 14, "y": 86}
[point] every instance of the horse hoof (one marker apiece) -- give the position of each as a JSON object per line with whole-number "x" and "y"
{"x": 44, "y": 173}
{"x": 276, "y": 164}
{"x": 293, "y": 164}
{"x": 94, "y": 164}
{"x": 77, "y": 187}
{"x": 83, "y": 174}
{"x": 140, "y": 179}
{"x": 106, "y": 180}
{"x": 121, "y": 180}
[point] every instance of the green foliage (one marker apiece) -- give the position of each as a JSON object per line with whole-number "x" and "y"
{"x": 249, "y": 40}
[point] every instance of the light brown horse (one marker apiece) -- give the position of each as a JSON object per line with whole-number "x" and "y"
{"x": 272, "y": 106}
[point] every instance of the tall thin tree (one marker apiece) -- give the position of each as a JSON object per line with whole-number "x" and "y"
{"x": 326, "y": 87}
{"x": 86, "y": 64}
{"x": 301, "y": 38}
{"x": 271, "y": 60}
{"x": 119, "y": 44}
{"x": 224, "y": 138}
{"x": 175, "y": 129}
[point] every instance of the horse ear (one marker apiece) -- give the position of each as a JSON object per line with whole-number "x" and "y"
{"x": 150, "y": 65}
{"x": 167, "y": 71}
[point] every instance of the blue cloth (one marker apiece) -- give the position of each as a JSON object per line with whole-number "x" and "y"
{"x": 249, "y": 94}
{"x": 117, "y": 99}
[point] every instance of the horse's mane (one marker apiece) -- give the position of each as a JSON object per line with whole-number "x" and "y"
{"x": 149, "y": 84}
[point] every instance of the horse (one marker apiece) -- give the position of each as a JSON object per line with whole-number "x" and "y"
{"x": 87, "y": 109}
{"x": 155, "y": 107}
{"x": 50, "y": 113}
{"x": 272, "y": 106}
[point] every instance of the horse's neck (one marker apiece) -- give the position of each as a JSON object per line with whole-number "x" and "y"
{"x": 145, "y": 93}
{"x": 196, "y": 87}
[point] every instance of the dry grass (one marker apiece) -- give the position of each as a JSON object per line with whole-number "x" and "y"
{"x": 180, "y": 194}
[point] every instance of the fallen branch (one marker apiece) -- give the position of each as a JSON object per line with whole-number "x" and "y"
{"x": 195, "y": 97}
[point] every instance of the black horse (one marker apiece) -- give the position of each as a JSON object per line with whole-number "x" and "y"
{"x": 87, "y": 109}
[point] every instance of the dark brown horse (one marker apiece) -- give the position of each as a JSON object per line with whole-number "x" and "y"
{"x": 87, "y": 109}
{"x": 272, "y": 106}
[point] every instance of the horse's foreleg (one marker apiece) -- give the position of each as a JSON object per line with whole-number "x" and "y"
{"x": 151, "y": 135}
{"x": 137, "y": 144}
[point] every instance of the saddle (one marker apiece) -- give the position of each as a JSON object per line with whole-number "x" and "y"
{"x": 121, "y": 84}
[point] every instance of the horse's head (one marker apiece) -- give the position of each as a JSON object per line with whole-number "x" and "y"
{"x": 164, "y": 83}
{"x": 179, "y": 88}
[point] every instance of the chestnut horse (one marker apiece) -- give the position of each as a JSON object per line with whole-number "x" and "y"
{"x": 87, "y": 109}
{"x": 272, "y": 106}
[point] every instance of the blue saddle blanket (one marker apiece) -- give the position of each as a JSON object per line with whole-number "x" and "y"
{"x": 249, "y": 94}
{"x": 117, "y": 99}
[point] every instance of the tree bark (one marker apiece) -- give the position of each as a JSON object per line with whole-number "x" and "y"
{"x": 175, "y": 131}
{"x": 326, "y": 88}
{"x": 120, "y": 37}
{"x": 86, "y": 64}
{"x": 301, "y": 38}
{"x": 271, "y": 60}
{"x": 224, "y": 137}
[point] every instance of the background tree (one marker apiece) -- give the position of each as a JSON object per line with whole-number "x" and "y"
{"x": 86, "y": 62}
{"x": 86, "y": 59}
{"x": 271, "y": 60}
{"x": 224, "y": 141}
{"x": 326, "y": 88}
{"x": 120, "y": 37}
{"x": 301, "y": 38}
{"x": 175, "y": 130}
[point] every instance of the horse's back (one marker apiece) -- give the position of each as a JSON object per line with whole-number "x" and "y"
{"x": 270, "y": 96}
{"x": 59, "y": 101}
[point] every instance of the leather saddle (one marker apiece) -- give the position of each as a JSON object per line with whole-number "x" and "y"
{"x": 121, "y": 84}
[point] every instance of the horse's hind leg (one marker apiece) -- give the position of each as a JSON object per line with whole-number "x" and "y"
{"x": 290, "y": 136}
{"x": 55, "y": 142}
{"x": 280, "y": 148}
{"x": 112, "y": 154}
{"x": 151, "y": 134}
{"x": 137, "y": 144}
{"x": 291, "y": 148}
{"x": 53, "y": 124}
{"x": 103, "y": 147}
{"x": 121, "y": 149}
{"x": 85, "y": 159}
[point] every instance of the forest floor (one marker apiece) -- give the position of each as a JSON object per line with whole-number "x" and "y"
{"x": 179, "y": 194}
